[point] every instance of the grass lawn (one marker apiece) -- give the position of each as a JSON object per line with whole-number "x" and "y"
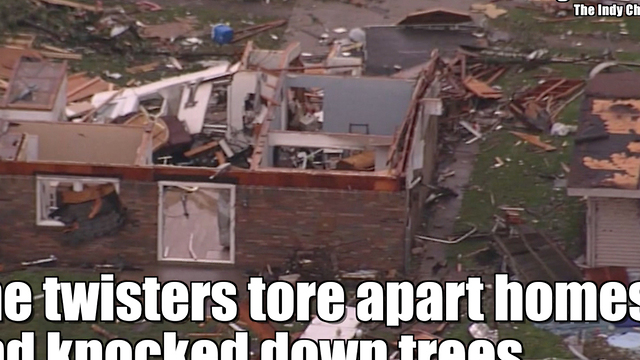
{"x": 524, "y": 179}
{"x": 526, "y": 25}
{"x": 115, "y": 55}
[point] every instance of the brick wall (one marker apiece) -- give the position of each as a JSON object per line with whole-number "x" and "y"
{"x": 21, "y": 239}
{"x": 362, "y": 229}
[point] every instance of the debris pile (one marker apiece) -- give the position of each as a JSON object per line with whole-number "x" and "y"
{"x": 90, "y": 213}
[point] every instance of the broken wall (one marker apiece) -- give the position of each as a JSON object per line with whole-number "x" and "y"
{"x": 243, "y": 83}
{"x": 364, "y": 229}
{"x": 380, "y": 103}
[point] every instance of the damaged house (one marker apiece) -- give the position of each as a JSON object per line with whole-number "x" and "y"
{"x": 605, "y": 169}
{"x": 252, "y": 163}
{"x": 80, "y": 209}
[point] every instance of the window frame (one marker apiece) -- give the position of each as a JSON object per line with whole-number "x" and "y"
{"x": 232, "y": 221}
{"x": 46, "y": 180}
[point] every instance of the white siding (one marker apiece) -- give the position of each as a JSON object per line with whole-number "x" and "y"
{"x": 617, "y": 232}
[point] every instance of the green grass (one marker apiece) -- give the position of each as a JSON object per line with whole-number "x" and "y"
{"x": 131, "y": 332}
{"x": 518, "y": 19}
{"x": 523, "y": 180}
{"x": 525, "y": 24}
{"x": 115, "y": 55}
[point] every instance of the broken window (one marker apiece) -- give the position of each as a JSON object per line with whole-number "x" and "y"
{"x": 196, "y": 222}
{"x": 88, "y": 208}
{"x": 305, "y": 109}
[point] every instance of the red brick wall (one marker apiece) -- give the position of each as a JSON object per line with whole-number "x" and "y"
{"x": 363, "y": 229}
{"x": 21, "y": 239}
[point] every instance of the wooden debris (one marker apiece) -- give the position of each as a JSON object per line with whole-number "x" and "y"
{"x": 256, "y": 29}
{"x": 4, "y": 85}
{"x": 365, "y": 160}
{"x": 9, "y": 57}
{"x": 195, "y": 151}
{"x": 495, "y": 76}
{"x": 176, "y": 64}
{"x": 20, "y": 40}
{"x": 607, "y": 21}
{"x": 498, "y": 163}
{"x": 55, "y": 49}
{"x": 565, "y": 167}
{"x": 160, "y": 132}
{"x": 561, "y": 107}
{"x": 78, "y": 109}
{"x": 90, "y": 193}
{"x": 220, "y": 157}
{"x": 470, "y": 129}
{"x": 87, "y": 84}
{"x": 81, "y": 87}
{"x": 555, "y": 20}
{"x": 142, "y": 68}
{"x": 61, "y": 56}
{"x": 534, "y": 140}
{"x": 72, "y": 4}
{"x": 481, "y": 89}
{"x": 100, "y": 331}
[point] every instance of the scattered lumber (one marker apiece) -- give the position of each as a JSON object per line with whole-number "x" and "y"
{"x": 143, "y": 68}
{"x": 20, "y": 40}
{"x": 256, "y": 29}
{"x": 195, "y": 151}
{"x": 61, "y": 56}
{"x": 55, "y": 49}
{"x": 534, "y": 140}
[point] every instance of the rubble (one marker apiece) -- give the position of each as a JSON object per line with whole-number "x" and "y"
{"x": 538, "y": 105}
{"x": 274, "y": 118}
{"x": 534, "y": 140}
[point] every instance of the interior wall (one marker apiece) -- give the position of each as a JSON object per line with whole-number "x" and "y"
{"x": 379, "y": 102}
{"x": 196, "y": 223}
{"x": 243, "y": 83}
